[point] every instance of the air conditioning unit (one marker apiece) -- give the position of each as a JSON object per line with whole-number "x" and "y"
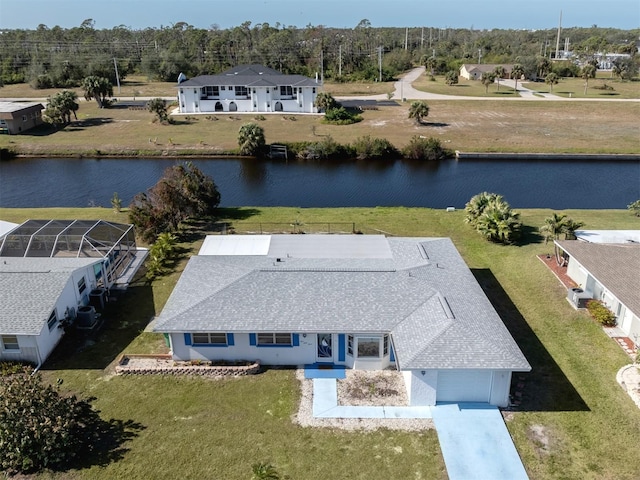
{"x": 86, "y": 317}
{"x": 578, "y": 297}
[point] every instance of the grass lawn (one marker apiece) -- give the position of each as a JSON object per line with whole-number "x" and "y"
{"x": 566, "y": 87}
{"x": 465, "y": 125}
{"x": 575, "y": 421}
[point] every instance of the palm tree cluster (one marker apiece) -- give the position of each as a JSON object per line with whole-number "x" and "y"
{"x": 554, "y": 226}
{"x": 493, "y": 218}
{"x": 251, "y": 139}
{"x": 60, "y": 107}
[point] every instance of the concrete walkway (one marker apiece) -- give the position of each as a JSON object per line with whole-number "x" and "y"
{"x": 476, "y": 444}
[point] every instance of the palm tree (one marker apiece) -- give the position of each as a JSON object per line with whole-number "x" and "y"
{"x": 570, "y": 227}
{"x": 98, "y": 88}
{"x": 60, "y": 107}
{"x": 418, "y": 110}
{"x": 517, "y": 72}
{"x": 451, "y": 77}
{"x": 587, "y": 72}
{"x": 251, "y": 139}
{"x": 477, "y": 205}
{"x": 499, "y": 72}
{"x": 553, "y": 226}
{"x": 551, "y": 79}
{"x": 487, "y": 79}
{"x": 498, "y": 223}
{"x": 324, "y": 101}
{"x": 264, "y": 471}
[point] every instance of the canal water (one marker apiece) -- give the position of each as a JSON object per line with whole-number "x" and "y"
{"x": 524, "y": 184}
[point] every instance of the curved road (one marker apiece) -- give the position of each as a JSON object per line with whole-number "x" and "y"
{"x": 404, "y": 89}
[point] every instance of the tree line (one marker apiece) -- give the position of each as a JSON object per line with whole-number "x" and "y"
{"x": 57, "y": 57}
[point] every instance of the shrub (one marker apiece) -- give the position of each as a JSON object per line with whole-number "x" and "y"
{"x": 39, "y": 428}
{"x": 374, "y": 148}
{"x": 635, "y": 208}
{"x": 326, "y": 149}
{"x": 601, "y": 314}
{"x": 420, "y": 148}
{"x": 341, "y": 116}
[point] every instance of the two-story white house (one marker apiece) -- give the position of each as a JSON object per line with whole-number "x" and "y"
{"x": 248, "y": 88}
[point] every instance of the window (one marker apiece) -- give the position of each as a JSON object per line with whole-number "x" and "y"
{"x": 350, "y": 345}
{"x": 286, "y": 90}
{"x": 24, "y": 118}
{"x": 211, "y": 91}
{"x": 368, "y": 347}
{"x": 82, "y": 286}
{"x": 209, "y": 338}
{"x": 274, "y": 339}
{"x": 241, "y": 92}
{"x": 53, "y": 319}
{"x": 10, "y": 342}
{"x": 385, "y": 345}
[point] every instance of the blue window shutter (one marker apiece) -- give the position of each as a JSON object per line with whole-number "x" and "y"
{"x": 341, "y": 347}
{"x": 296, "y": 339}
{"x": 187, "y": 339}
{"x": 392, "y": 356}
{"x": 252, "y": 339}
{"x": 230, "y": 339}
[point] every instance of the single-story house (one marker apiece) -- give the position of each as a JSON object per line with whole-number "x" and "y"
{"x": 609, "y": 272}
{"x": 55, "y": 273}
{"x": 38, "y": 296}
{"x": 248, "y": 88}
{"x": 358, "y": 301}
{"x": 18, "y": 117}
{"x": 472, "y": 71}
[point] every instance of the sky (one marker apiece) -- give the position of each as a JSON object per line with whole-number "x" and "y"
{"x": 476, "y": 14}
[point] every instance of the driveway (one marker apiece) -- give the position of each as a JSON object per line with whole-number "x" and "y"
{"x": 476, "y": 444}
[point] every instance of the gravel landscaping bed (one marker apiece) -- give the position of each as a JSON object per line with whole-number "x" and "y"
{"x": 305, "y": 418}
{"x": 374, "y": 388}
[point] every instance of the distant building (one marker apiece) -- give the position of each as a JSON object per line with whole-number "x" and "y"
{"x": 248, "y": 88}
{"x": 18, "y": 117}
{"x": 474, "y": 71}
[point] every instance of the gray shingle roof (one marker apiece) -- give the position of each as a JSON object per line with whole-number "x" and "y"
{"x": 250, "y": 76}
{"x": 424, "y": 295}
{"x": 29, "y": 289}
{"x": 616, "y": 266}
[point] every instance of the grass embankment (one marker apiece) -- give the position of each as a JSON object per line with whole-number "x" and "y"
{"x": 575, "y": 421}
{"x": 465, "y": 125}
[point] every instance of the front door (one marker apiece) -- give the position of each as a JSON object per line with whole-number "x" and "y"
{"x": 324, "y": 351}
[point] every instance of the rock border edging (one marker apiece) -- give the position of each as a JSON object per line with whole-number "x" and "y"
{"x": 165, "y": 366}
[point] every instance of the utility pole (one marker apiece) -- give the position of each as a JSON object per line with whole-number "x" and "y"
{"x": 340, "y": 60}
{"x": 558, "y": 39}
{"x": 479, "y": 55}
{"x": 406, "y": 38}
{"x": 380, "y": 63}
{"x": 115, "y": 64}
{"x": 422, "y": 39}
{"x": 321, "y": 66}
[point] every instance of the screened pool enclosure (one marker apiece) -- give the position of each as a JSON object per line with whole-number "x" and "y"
{"x": 115, "y": 242}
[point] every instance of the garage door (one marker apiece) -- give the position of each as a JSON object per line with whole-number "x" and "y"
{"x": 464, "y": 386}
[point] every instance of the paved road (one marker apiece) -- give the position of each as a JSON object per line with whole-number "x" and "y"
{"x": 404, "y": 89}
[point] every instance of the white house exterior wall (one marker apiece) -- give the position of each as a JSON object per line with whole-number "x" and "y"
{"x": 260, "y": 99}
{"x": 28, "y": 351}
{"x": 421, "y": 389}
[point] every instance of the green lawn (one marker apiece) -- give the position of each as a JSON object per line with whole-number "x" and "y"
{"x": 575, "y": 421}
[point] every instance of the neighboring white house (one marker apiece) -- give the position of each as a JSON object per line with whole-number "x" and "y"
{"x": 55, "y": 273}
{"x": 248, "y": 88}
{"x": 472, "y": 71}
{"x": 38, "y": 296}
{"x": 609, "y": 272}
{"x": 362, "y": 301}
{"x": 18, "y": 117}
